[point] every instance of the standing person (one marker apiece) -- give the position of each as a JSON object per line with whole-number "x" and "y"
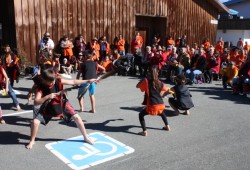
{"x": 48, "y": 103}
{"x": 4, "y": 82}
{"x": 46, "y": 45}
{"x": 80, "y": 45}
{"x": 95, "y": 48}
{"x": 10, "y": 62}
{"x": 152, "y": 87}
{"x": 67, "y": 47}
{"x": 182, "y": 98}
{"x": 246, "y": 48}
{"x": 120, "y": 45}
{"x": 240, "y": 44}
{"x": 104, "y": 48}
{"x": 220, "y": 41}
{"x": 136, "y": 43}
{"x": 88, "y": 70}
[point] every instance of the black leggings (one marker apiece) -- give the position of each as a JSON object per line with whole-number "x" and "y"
{"x": 144, "y": 113}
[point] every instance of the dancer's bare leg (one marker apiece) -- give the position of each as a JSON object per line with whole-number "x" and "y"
{"x": 92, "y": 99}
{"x": 81, "y": 104}
{"x": 81, "y": 127}
{"x": 33, "y": 132}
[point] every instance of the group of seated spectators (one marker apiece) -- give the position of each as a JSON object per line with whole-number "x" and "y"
{"x": 201, "y": 63}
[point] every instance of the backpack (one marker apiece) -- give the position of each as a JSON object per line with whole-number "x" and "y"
{"x": 54, "y": 106}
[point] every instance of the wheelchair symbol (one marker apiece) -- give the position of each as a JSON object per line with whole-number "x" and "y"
{"x": 90, "y": 150}
{"x": 79, "y": 155}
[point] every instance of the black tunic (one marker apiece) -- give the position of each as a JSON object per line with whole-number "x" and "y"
{"x": 183, "y": 97}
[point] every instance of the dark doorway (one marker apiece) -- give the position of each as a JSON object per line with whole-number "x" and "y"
{"x": 7, "y": 23}
{"x": 152, "y": 26}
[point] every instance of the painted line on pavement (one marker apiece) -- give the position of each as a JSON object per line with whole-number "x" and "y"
{"x": 18, "y": 113}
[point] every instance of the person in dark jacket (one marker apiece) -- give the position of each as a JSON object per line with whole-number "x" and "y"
{"x": 198, "y": 65}
{"x": 182, "y": 98}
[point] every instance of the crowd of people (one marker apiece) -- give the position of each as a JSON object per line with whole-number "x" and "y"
{"x": 174, "y": 59}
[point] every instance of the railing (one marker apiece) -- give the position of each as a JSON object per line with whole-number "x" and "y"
{"x": 236, "y": 24}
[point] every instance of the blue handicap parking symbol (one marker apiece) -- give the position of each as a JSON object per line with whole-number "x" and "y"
{"x": 80, "y": 155}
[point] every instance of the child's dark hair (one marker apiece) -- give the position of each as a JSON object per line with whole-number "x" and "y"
{"x": 180, "y": 79}
{"x": 48, "y": 74}
{"x": 153, "y": 76}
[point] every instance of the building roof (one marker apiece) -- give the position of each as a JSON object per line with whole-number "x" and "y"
{"x": 220, "y": 6}
{"x": 231, "y": 2}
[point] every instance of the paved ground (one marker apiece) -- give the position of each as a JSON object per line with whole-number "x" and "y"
{"x": 215, "y": 136}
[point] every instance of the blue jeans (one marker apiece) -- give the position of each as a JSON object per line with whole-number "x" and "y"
{"x": 12, "y": 95}
{"x": 192, "y": 73}
{"x": 122, "y": 53}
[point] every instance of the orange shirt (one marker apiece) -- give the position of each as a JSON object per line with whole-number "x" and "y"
{"x": 206, "y": 45}
{"x": 155, "y": 109}
{"x": 230, "y": 73}
{"x": 240, "y": 60}
{"x": 107, "y": 65}
{"x": 95, "y": 47}
{"x": 120, "y": 45}
{"x": 246, "y": 48}
{"x": 219, "y": 48}
{"x": 170, "y": 42}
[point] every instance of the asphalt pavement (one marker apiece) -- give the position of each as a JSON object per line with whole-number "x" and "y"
{"x": 215, "y": 136}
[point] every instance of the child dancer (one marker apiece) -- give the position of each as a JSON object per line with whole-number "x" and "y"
{"x": 152, "y": 87}
{"x": 48, "y": 103}
{"x": 182, "y": 99}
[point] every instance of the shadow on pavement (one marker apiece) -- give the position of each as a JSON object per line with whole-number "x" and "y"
{"x": 104, "y": 127}
{"x": 17, "y": 121}
{"x": 218, "y": 93}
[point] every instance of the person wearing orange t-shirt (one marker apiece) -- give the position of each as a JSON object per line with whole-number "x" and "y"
{"x": 67, "y": 47}
{"x": 153, "y": 88}
{"x": 120, "y": 45}
{"x": 240, "y": 58}
{"x": 228, "y": 74}
{"x": 107, "y": 64}
{"x": 246, "y": 48}
{"x": 95, "y": 48}
{"x": 170, "y": 42}
{"x": 206, "y": 44}
{"x": 219, "y": 47}
{"x": 115, "y": 55}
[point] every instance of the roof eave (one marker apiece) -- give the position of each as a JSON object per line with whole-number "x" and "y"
{"x": 220, "y": 6}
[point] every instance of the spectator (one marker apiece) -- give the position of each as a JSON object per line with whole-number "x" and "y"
{"x": 66, "y": 67}
{"x": 120, "y": 45}
{"x": 198, "y": 65}
{"x": 46, "y": 45}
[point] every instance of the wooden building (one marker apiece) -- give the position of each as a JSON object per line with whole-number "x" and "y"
{"x": 25, "y": 21}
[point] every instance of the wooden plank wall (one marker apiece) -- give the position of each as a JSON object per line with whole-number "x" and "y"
{"x": 94, "y": 18}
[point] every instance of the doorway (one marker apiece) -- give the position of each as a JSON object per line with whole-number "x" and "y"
{"x": 7, "y": 23}
{"x": 152, "y": 26}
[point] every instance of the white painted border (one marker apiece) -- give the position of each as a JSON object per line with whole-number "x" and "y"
{"x": 18, "y": 113}
{"x": 72, "y": 166}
